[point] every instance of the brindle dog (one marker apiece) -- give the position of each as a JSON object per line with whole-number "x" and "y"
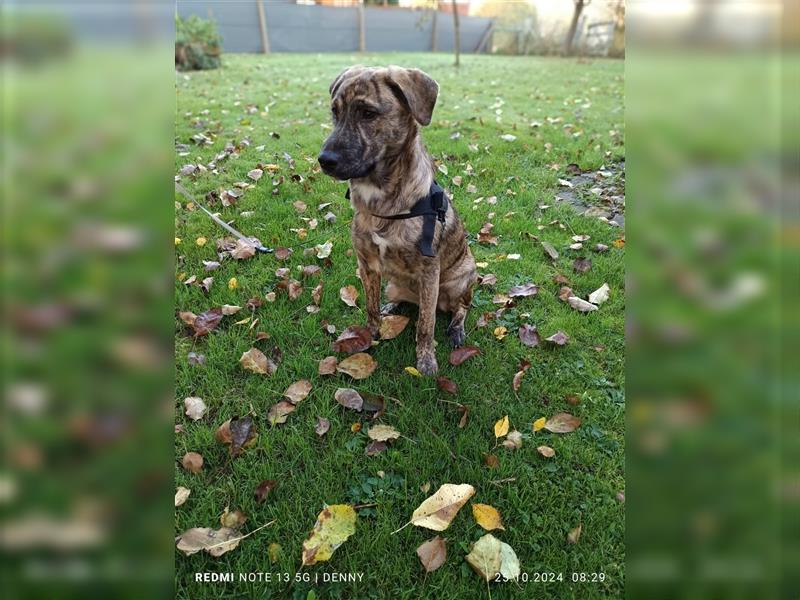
{"x": 375, "y": 143}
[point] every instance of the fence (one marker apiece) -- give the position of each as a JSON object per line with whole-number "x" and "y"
{"x": 310, "y": 28}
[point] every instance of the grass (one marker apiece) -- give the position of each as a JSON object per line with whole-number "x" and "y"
{"x": 548, "y": 497}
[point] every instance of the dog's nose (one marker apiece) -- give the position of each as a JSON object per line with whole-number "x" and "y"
{"x": 328, "y": 160}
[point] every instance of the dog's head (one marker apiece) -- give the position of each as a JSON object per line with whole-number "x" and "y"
{"x": 375, "y": 114}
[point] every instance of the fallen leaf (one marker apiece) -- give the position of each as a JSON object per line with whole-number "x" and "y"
{"x": 562, "y": 423}
{"x": 192, "y": 462}
{"x": 201, "y": 241}
{"x": 195, "y": 408}
{"x": 324, "y": 250}
{"x": 349, "y": 398}
{"x": 233, "y": 283}
{"x": 447, "y": 385}
{"x": 274, "y": 551}
{"x": 524, "y": 290}
{"x": 620, "y": 243}
{"x": 485, "y": 235}
{"x": 550, "y": 250}
{"x": 559, "y": 338}
{"x": 230, "y": 309}
{"x": 294, "y": 289}
{"x": 581, "y": 265}
{"x": 539, "y": 424}
{"x": 243, "y": 250}
{"x": 211, "y": 265}
{"x": 283, "y": 253}
{"x": 232, "y": 519}
{"x": 621, "y": 496}
{"x": 600, "y": 295}
{"x": 358, "y": 366}
{"x": 392, "y": 326}
{"x": 375, "y": 447}
{"x": 382, "y": 433}
{"x": 256, "y": 361}
{"x": 565, "y": 293}
{"x": 508, "y": 137}
{"x": 459, "y": 355}
{"x": 487, "y": 516}
{"x": 500, "y": 332}
{"x": 264, "y": 489}
{"x": 334, "y": 525}
{"x": 353, "y": 339}
{"x": 491, "y": 558}
{"x": 491, "y": 461}
{"x": 546, "y": 451}
{"x": 181, "y": 494}
{"x": 488, "y": 279}
{"x": 575, "y": 534}
{"x": 432, "y": 553}
{"x": 322, "y": 426}
{"x": 327, "y": 366}
{"x": 437, "y": 511}
{"x": 299, "y": 206}
{"x": 580, "y": 304}
{"x": 278, "y": 413}
{"x": 600, "y": 248}
{"x": 243, "y": 434}
{"x": 528, "y": 335}
{"x": 413, "y": 371}
{"x": 501, "y": 427}
{"x": 207, "y": 321}
{"x": 349, "y": 295}
{"x": 513, "y": 440}
{"x": 297, "y": 391}
{"x": 255, "y": 174}
{"x": 214, "y": 541}
{"x": 196, "y": 359}
{"x": 187, "y": 317}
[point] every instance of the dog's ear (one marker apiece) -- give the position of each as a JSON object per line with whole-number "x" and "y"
{"x": 340, "y": 78}
{"x": 417, "y": 89}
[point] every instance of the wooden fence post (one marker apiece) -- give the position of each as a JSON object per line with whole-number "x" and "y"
{"x": 362, "y": 38}
{"x": 262, "y": 25}
{"x": 433, "y": 31}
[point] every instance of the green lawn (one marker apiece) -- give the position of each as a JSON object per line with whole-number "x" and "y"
{"x": 488, "y": 97}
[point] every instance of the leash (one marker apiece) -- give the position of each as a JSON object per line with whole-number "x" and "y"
{"x": 431, "y": 208}
{"x": 220, "y": 222}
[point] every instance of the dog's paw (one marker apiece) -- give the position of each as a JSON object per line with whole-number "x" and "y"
{"x": 457, "y": 336}
{"x": 427, "y": 365}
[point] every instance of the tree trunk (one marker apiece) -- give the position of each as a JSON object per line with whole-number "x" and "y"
{"x": 457, "y": 31}
{"x": 573, "y": 26}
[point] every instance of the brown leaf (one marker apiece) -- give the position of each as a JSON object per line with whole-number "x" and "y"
{"x": 349, "y": 398}
{"x": 373, "y": 404}
{"x": 256, "y": 361}
{"x": 447, "y": 385}
{"x": 513, "y": 440}
{"x": 214, "y": 541}
{"x": 294, "y": 288}
{"x": 464, "y": 410}
{"x": 232, "y": 519}
{"x": 572, "y": 399}
{"x": 312, "y": 270}
{"x": 283, "y": 253}
{"x": 297, "y": 391}
{"x": 316, "y": 294}
{"x": 559, "y": 338}
{"x": 282, "y": 272}
{"x": 327, "y": 366}
{"x": 432, "y": 553}
{"x": 485, "y": 235}
{"x": 353, "y": 339}
{"x": 223, "y": 433}
{"x": 195, "y": 407}
{"x": 205, "y": 285}
{"x": 375, "y": 447}
{"x": 562, "y": 423}
{"x": 322, "y": 426}
{"x": 517, "y": 381}
{"x": 459, "y": 355}
{"x": 207, "y": 321}
{"x": 358, "y": 366}
{"x": 243, "y": 250}
{"x": 524, "y": 290}
{"x": 392, "y": 326}
{"x": 349, "y": 295}
{"x": 192, "y": 462}
{"x": 278, "y": 413}
{"x": 560, "y": 279}
{"x": 550, "y": 250}
{"x": 575, "y": 534}
{"x": 546, "y": 451}
{"x": 243, "y": 434}
{"x": 264, "y": 489}
{"x": 564, "y": 293}
{"x": 528, "y": 335}
{"x": 488, "y": 279}
{"x": 187, "y": 317}
{"x": 491, "y": 461}
{"x": 581, "y": 265}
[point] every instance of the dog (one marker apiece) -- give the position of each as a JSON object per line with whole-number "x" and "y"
{"x": 404, "y": 230}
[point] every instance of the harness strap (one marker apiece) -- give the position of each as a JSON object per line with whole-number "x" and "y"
{"x": 431, "y": 208}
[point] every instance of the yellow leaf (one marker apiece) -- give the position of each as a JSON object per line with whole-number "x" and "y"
{"x": 334, "y": 525}
{"x": 413, "y": 371}
{"x": 501, "y": 427}
{"x": 539, "y": 423}
{"x": 355, "y": 427}
{"x": 437, "y": 511}
{"x": 383, "y": 433}
{"x": 274, "y": 550}
{"x": 500, "y": 332}
{"x": 201, "y": 241}
{"x": 487, "y": 517}
{"x": 233, "y": 283}
{"x": 490, "y": 557}
{"x": 243, "y": 321}
{"x": 178, "y": 241}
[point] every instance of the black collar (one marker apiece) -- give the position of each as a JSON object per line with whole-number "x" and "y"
{"x": 432, "y": 208}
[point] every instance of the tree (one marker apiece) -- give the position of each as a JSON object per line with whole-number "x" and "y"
{"x": 457, "y": 31}
{"x": 573, "y": 26}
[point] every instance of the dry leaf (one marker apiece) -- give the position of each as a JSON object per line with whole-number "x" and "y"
{"x": 214, "y": 541}
{"x": 256, "y": 361}
{"x": 575, "y": 534}
{"x": 559, "y": 338}
{"x": 232, "y": 519}
{"x": 375, "y": 447}
{"x": 322, "y": 426}
{"x": 413, "y": 371}
{"x": 334, "y": 525}
{"x": 517, "y": 381}
{"x": 243, "y": 250}
{"x": 353, "y": 339}
{"x": 324, "y": 250}
{"x": 358, "y": 366}
{"x": 490, "y": 557}
{"x": 243, "y": 434}
{"x": 523, "y": 291}
{"x": 580, "y": 304}
{"x": 432, "y": 553}
{"x": 195, "y": 408}
{"x": 550, "y": 250}
{"x": 274, "y": 551}
{"x": 255, "y": 174}
{"x": 539, "y": 424}
{"x": 491, "y": 461}
{"x": 230, "y": 309}
{"x": 500, "y": 332}
{"x": 546, "y": 451}
{"x": 562, "y": 423}
{"x": 487, "y": 517}
{"x": 294, "y": 289}
{"x": 392, "y": 326}
{"x": 447, "y": 385}
{"x": 192, "y": 462}
{"x": 464, "y": 410}
{"x": 501, "y": 427}
{"x": 581, "y": 265}
{"x": 206, "y": 321}
{"x": 600, "y": 295}
{"x": 181, "y": 494}
{"x": 513, "y": 440}
{"x": 528, "y": 335}
{"x": 349, "y": 398}
{"x": 383, "y": 433}
{"x": 297, "y": 391}
{"x": 459, "y": 355}
{"x": 327, "y": 366}
{"x": 565, "y": 293}
{"x": 278, "y": 413}
{"x": 488, "y": 279}
{"x": 264, "y": 489}
{"x": 438, "y": 511}
{"x": 349, "y": 295}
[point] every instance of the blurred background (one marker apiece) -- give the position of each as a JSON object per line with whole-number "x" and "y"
{"x": 712, "y": 129}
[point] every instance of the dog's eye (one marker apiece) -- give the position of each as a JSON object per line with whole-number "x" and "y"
{"x": 368, "y": 114}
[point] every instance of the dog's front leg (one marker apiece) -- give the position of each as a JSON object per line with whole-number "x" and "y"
{"x": 371, "y": 279}
{"x": 426, "y": 322}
